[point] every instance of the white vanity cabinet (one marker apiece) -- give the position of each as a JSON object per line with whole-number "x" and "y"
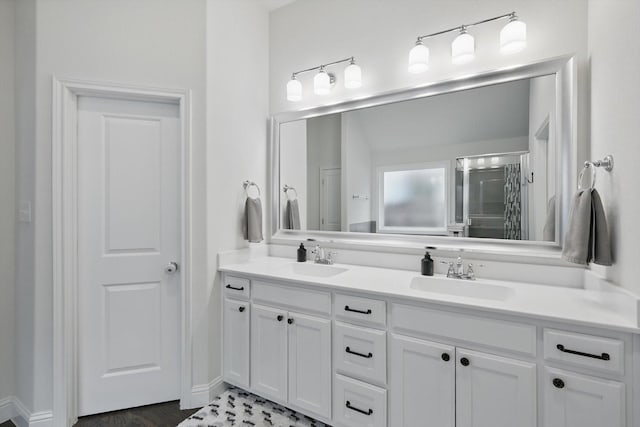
{"x": 494, "y": 391}
{"x": 236, "y": 342}
{"x": 291, "y": 358}
{"x": 458, "y": 387}
{"x": 353, "y": 359}
{"x": 421, "y": 382}
{"x": 574, "y": 400}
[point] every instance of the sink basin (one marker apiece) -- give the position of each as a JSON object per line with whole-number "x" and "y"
{"x": 313, "y": 270}
{"x": 460, "y": 288}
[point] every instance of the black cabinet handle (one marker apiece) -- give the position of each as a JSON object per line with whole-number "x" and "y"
{"x": 366, "y": 356}
{"x": 280, "y": 317}
{"x": 464, "y": 361}
{"x": 353, "y": 408}
{"x": 445, "y": 357}
{"x": 603, "y": 356}
{"x": 241, "y": 309}
{"x": 290, "y": 320}
{"x": 346, "y": 308}
{"x": 241, "y": 288}
{"x": 558, "y": 383}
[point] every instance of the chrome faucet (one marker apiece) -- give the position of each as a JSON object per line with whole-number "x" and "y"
{"x": 322, "y": 256}
{"x": 456, "y": 270}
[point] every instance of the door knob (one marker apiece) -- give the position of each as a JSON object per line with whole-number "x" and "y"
{"x": 171, "y": 268}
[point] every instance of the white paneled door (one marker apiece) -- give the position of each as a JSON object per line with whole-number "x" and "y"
{"x": 128, "y": 238}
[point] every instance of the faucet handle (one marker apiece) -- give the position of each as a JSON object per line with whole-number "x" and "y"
{"x": 451, "y": 272}
{"x": 330, "y": 255}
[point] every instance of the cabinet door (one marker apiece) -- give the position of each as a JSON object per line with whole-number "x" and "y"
{"x": 310, "y": 363}
{"x": 269, "y": 352}
{"x": 236, "y": 342}
{"x": 422, "y": 379}
{"x": 572, "y": 400}
{"x": 493, "y": 391}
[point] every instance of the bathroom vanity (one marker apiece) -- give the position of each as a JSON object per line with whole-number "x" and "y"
{"x": 362, "y": 346}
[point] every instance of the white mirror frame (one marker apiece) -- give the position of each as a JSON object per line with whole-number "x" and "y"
{"x": 566, "y": 107}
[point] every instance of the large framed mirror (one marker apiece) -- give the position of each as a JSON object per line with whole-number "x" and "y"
{"x": 488, "y": 160}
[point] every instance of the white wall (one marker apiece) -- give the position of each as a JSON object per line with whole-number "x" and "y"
{"x": 542, "y": 108}
{"x": 293, "y": 167}
{"x": 158, "y": 43}
{"x": 324, "y": 136}
{"x": 7, "y": 196}
{"x": 380, "y": 34}
{"x": 356, "y": 172}
{"x": 237, "y": 113}
{"x": 615, "y": 129}
{"x": 25, "y": 50}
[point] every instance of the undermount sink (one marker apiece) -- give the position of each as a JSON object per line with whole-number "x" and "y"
{"x": 313, "y": 270}
{"x": 460, "y": 288}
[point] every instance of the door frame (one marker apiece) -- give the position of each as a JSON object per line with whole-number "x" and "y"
{"x": 65, "y": 232}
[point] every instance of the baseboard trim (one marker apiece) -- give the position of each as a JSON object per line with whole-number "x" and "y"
{"x": 7, "y": 409}
{"x": 202, "y": 394}
{"x": 11, "y": 408}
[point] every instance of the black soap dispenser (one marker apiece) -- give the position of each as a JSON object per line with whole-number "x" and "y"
{"x": 427, "y": 263}
{"x": 302, "y": 253}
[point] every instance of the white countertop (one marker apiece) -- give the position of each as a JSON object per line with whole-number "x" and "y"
{"x": 594, "y": 308}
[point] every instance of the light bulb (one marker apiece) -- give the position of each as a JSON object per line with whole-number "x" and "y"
{"x": 463, "y": 48}
{"x": 419, "y": 58}
{"x": 352, "y": 76}
{"x": 513, "y": 37}
{"x": 322, "y": 83}
{"x": 294, "y": 90}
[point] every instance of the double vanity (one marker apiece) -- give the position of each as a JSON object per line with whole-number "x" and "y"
{"x": 362, "y": 346}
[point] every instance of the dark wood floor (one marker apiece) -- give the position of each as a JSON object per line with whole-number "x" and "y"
{"x": 161, "y": 415}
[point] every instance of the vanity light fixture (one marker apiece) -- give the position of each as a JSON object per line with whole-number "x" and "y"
{"x": 513, "y": 38}
{"x": 294, "y": 89}
{"x": 323, "y": 81}
{"x": 463, "y": 47}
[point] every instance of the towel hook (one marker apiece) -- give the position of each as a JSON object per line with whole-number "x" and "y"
{"x": 606, "y": 163}
{"x": 246, "y": 184}
{"x": 287, "y": 188}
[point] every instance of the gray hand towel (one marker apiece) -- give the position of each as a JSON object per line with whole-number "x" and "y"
{"x": 252, "y": 224}
{"x": 587, "y": 237}
{"x": 293, "y": 215}
{"x": 549, "y": 230}
{"x": 600, "y": 240}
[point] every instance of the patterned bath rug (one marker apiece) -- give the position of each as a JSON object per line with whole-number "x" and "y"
{"x": 236, "y": 407}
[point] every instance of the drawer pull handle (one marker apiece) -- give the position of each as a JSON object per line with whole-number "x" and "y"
{"x": 346, "y": 308}
{"x": 445, "y": 357}
{"x": 353, "y": 408}
{"x": 558, "y": 383}
{"x": 280, "y": 317}
{"x": 290, "y": 320}
{"x": 240, "y": 309}
{"x": 603, "y": 356}
{"x": 464, "y": 361}
{"x": 235, "y": 289}
{"x": 366, "y": 356}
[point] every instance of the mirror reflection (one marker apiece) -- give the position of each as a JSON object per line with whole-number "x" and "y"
{"x": 474, "y": 163}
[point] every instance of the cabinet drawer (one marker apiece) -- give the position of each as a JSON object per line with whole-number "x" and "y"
{"x": 237, "y": 287}
{"x": 360, "y": 352}
{"x": 588, "y": 351}
{"x": 357, "y": 404}
{"x": 516, "y": 337}
{"x": 361, "y": 310}
{"x": 298, "y": 299}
